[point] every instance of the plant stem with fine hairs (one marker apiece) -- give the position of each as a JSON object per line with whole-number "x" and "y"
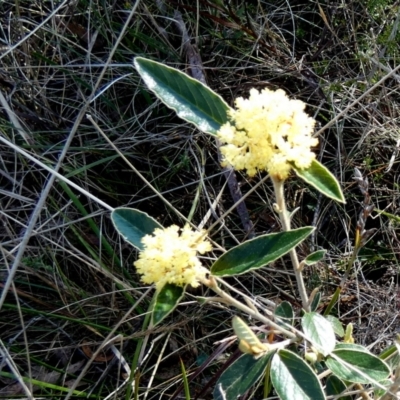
{"x": 285, "y": 221}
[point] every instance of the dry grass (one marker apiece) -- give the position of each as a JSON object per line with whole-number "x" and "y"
{"x": 68, "y": 285}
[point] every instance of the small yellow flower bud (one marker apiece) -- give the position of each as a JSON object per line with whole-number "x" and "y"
{"x": 348, "y": 336}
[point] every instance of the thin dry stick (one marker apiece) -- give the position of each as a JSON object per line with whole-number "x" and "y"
{"x": 24, "y": 330}
{"x": 248, "y": 193}
{"x": 156, "y": 366}
{"x": 52, "y": 177}
{"x": 197, "y": 68}
{"x": 109, "y": 338}
{"x": 14, "y": 120}
{"x": 89, "y": 117}
{"x": 371, "y": 89}
{"x": 55, "y": 173}
{"x": 34, "y": 217}
{"x": 33, "y": 31}
{"x": 213, "y": 285}
{"x": 14, "y": 369}
{"x": 94, "y": 123}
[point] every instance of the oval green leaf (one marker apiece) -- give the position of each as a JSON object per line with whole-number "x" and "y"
{"x": 133, "y": 224}
{"x": 284, "y": 313}
{"x": 315, "y": 302}
{"x": 351, "y": 346}
{"x": 243, "y": 332}
{"x": 166, "y": 301}
{"x": 313, "y": 258}
{"x": 336, "y": 325}
{"x": 240, "y": 376}
{"x": 193, "y": 101}
{"x": 321, "y": 179}
{"x": 319, "y": 331}
{"x": 335, "y": 386}
{"x": 258, "y": 252}
{"x": 391, "y": 356}
{"x": 357, "y": 366}
{"x": 387, "y": 384}
{"x": 293, "y": 379}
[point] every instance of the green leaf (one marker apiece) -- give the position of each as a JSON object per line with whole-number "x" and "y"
{"x": 387, "y": 384}
{"x": 319, "y": 331}
{"x": 335, "y": 386}
{"x": 313, "y": 258}
{"x": 315, "y": 302}
{"x": 258, "y": 252}
{"x": 133, "y": 224}
{"x": 391, "y": 356}
{"x": 240, "y": 376}
{"x": 192, "y": 101}
{"x": 185, "y": 380}
{"x": 166, "y": 301}
{"x": 357, "y": 366}
{"x": 293, "y": 379}
{"x": 333, "y": 301}
{"x": 388, "y": 352}
{"x": 321, "y": 179}
{"x": 351, "y": 346}
{"x": 285, "y": 313}
{"x": 249, "y": 342}
{"x": 336, "y": 325}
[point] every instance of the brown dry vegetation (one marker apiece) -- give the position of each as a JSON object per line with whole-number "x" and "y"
{"x": 67, "y": 281}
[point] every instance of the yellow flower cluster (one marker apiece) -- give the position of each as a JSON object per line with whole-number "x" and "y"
{"x": 268, "y": 132}
{"x": 172, "y": 258}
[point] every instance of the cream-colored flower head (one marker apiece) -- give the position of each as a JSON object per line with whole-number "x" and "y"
{"x": 172, "y": 258}
{"x": 268, "y": 132}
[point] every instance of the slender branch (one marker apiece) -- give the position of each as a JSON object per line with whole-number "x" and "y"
{"x": 285, "y": 220}
{"x": 213, "y": 285}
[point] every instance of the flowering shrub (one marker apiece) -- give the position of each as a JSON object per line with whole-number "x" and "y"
{"x": 308, "y": 355}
